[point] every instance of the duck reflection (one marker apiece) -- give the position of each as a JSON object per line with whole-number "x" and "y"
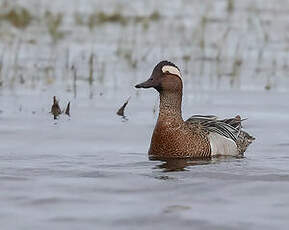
{"x": 173, "y": 165}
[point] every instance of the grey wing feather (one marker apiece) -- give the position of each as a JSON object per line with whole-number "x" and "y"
{"x": 212, "y": 124}
{"x": 230, "y": 128}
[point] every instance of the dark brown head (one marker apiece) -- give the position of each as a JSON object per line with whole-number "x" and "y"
{"x": 166, "y": 77}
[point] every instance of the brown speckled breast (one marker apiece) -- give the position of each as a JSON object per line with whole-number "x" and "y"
{"x": 178, "y": 140}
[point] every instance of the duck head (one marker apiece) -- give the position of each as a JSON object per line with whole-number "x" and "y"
{"x": 166, "y": 77}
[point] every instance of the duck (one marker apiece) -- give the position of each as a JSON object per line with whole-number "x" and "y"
{"x": 200, "y": 136}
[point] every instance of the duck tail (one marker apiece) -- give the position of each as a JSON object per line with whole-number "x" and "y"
{"x": 244, "y": 139}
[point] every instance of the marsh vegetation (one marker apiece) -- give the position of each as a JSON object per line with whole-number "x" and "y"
{"x": 229, "y": 44}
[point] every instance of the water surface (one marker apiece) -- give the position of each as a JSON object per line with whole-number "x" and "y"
{"x": 91, "y": 171}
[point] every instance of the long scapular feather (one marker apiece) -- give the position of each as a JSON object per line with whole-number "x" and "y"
{"x": 212, "y": 124}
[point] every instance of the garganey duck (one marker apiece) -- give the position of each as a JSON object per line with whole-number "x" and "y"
{"x": 199, "y": 136}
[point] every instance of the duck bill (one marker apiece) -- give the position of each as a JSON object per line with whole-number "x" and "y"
{"x": 150, "y": 83}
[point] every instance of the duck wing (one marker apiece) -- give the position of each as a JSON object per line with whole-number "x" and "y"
{"x": 230, "y": 128}
{"x": 212, "y": 124}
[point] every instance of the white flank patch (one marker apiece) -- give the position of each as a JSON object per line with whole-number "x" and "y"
{"x": 221, "y": 145}
{"x": 172, "y": 70}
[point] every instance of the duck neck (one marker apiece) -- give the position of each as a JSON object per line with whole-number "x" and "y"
{"x": 170, "y": 106}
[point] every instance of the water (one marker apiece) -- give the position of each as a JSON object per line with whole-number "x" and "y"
{"x": 91, "y": 171}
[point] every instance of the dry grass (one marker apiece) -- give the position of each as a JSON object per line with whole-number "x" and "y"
{"x": 18, "y": 17}
{"x": 230, "y": 6}
{"x": 100, "y": 18}
{"x": 53, "y": 22}
{"x": 91, "y": 69}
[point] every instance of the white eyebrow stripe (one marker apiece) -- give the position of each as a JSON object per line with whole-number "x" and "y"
{"x": 171, "y": 69}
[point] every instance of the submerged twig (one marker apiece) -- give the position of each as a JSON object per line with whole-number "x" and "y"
{"x": 74, "y": 80}
{"x": 90, "y": 78}
{"x": 67, "y": 110}
{"x": 120, "y": 112}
